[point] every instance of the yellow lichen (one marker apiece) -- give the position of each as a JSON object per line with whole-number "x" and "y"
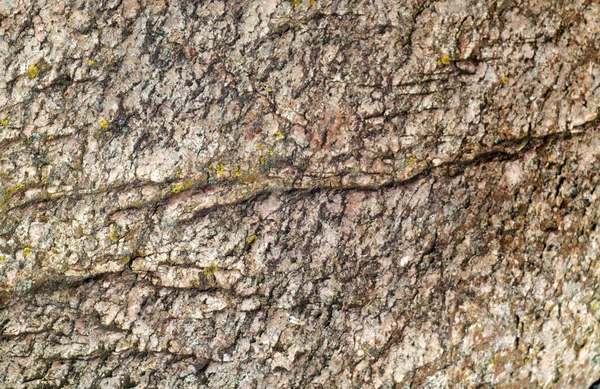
{"x": 236, "y": 171}
{"x": 4, "y": 122}
{"x": 220, "y": 168}
{"x": 223, "y": 128}
{"x": 210, "y": 270}
{"x": 251, "y": 239}
{"x": 104, "y": 124}
{"x": 45, "y": 181}
{"x": 269, "y": 89}
{"x": 411, "y": 160}
{"x": 259, "y": 146}
{"x": 505, "y": 80}
{"x": 336, "y": 261}
{"x": 263, "y": 160}
{"x": 178, "y": 174}
{"x": 12, "y": 190}
{"x": 297, "y": 2}
{"x": 2, "y": 259}
{"x": 271, "y": 153}
{"x": 176, "y": 188}
{"x": 445, "y": 60}
{"x": 115, "y": 234}
{"x": 91, "y": 62}
{"x": 50, "y": 137}
{"x": 78, "y": 166}
{"x": 313, "y": 2}
{"x": 279, "y": 135}
{"x": 27, "y": 252}
{"x": 188, "y": 183}
{"x": 126, "y": 260}
{"x": 32, "y": 71}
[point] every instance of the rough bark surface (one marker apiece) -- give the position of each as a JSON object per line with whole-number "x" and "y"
{"x": 299, "y": 194}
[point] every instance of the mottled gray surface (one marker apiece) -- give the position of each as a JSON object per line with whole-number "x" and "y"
{"x": 299, "y": 194}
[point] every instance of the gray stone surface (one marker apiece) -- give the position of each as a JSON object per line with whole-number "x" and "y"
{"x": 299, "y": 194}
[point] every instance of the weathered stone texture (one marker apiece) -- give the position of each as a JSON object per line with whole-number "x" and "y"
{"x": 299, "y": 194}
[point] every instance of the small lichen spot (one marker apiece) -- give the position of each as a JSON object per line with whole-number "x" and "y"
{"x": 297, "y": 2}
{"x": 50, "y": 137}
{"x": 210, "y": 270}
{"x": 220, "y": 168}
{"x": 115, "y": 234}
{"x": 27, "y": 252}
{"x": 279, "y": 135}
{"x": 251, "y": 239}
{"x": 32, "y": 71}
{"x": 11, "y": 191}
{"x": 269, "y": 89}
{"x": 505, "y": 80}
{"x": 412, "y": 160}
{"x": 4, "y": 122}
{"x": 176, "y": 188}
{"x": 104, "y": 124}
{"x": 445, "y": 60}
{"x": 91, "y": 62}
{"x": 2, "y": 259}
{"x": 236, "y": 171}
{"x": 188, "y": 183}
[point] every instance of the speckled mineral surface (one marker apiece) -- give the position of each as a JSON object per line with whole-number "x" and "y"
{"x": 299, "y": 194}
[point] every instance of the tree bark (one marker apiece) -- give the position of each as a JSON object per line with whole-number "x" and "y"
{"x": 299, "y": 194}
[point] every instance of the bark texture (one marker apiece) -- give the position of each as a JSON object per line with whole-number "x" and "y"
{"x": 299, "y": 194}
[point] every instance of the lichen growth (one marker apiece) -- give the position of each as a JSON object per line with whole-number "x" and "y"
{"x": 27, "y": 252}
{"x": 126, "y": 260}
{"x": 104, "y": 124}
{"x": 251, "y": 239}
{"x": 445, "y": 60}
{"x": 297, "y": 2}
{"x": 4, "y": 122}
{"x": 188, "y": 183}
{"x": 237, "y": 171}
{"x": 12, "y": 190}
{"x": 505, "y": 80}
{"x": 91, "y": 62}
{"x": 50, "y": 137}
{"x": 2, "y": 259}
{"x": 176, "y": 188}
{"x": 220, "y": 168}
{"x": 411, "y": 160}
{"x": 210, "y": 270}
{"x": 32, "y": 71}
{"x": 269, "y": 89}
{"x": 115, "y": 234}
{"x": 279, "y": 135}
